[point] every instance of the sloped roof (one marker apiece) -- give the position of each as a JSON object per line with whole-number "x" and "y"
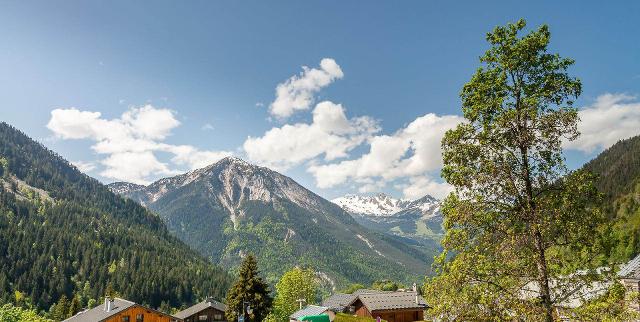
{"x": 209, "y": 302}
{"x": 392, "y": 301}
{"x": 339, "y": 301}
{"x": 98, "y": 313}
{"x": 369, "y": 291}
{"x": 309, "y": 310}
{"x": 631, "y": 269}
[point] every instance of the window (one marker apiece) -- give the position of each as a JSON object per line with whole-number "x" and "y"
{"x": 125, "y": 318}
{"x": 139, "y": 317}
{"x": 217, "y": 317}
{"x": 203, "y": 318}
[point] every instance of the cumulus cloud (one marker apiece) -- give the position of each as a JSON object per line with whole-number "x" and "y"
{"x": 417, "y": 187}
{"x": 84, "y": 166}
{"x": 611, "y": 118}
{"x": 409, "y": 154}
{"x": 330, "y": 134}
{"x": 131, "y": 142}
{"x": 297, "y": 93}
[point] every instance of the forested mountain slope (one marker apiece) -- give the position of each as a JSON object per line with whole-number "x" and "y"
{"x": 618, "y": 171}
{"x": 64, "y": 233}
{"x": 232, "y": 207}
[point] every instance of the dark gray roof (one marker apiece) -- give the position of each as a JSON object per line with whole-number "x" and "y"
{"x": 309, "y": 310}
{"x": 99, "y": 313}
{"x": 631, "y": 269}
{"x": 339, "y": 301}
{"x": 368, "y": 291}
{"x": 392, "y": 301}
{"x": 209, "y": 302}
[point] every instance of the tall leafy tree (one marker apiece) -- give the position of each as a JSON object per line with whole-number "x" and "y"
{"x": 295, "y": 285}
{"x": 519, "y": 225}
{"x": 250, "y": 289}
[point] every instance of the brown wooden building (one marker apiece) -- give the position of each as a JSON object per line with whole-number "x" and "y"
{"x": 119, "y": 310}
{"x": 390, "y": 306}
{"x": 208, "y": 310}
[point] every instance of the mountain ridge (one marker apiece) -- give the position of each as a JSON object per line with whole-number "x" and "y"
{"x": 232, "y": 207}
{"x": 418, "y": 221}
{"x": 63, "y": 233}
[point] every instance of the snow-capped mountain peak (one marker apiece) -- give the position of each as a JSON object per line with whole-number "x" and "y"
{"x": 382, "y": 205}
{"x": 375, "y": 205}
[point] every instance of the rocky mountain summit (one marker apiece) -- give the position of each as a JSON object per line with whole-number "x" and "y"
{"x": 232, "y": 207}
{"x": 418, "y": 220}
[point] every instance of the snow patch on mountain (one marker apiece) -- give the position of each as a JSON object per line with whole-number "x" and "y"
{"x": 382, "y": 205}
{"x": 366, "y": 241}
{"x": 377, "y": 205}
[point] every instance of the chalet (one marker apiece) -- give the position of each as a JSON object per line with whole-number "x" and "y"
{"x": 312, "y": 310}
{"x": 208, "y": 310}
{"x": 390, "y": 306}
{"x": 119, "y": 310}
{"x": 629, "y": 276}
{"x": 339, "y": 302}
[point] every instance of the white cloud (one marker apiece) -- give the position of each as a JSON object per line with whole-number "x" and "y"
{"x": 84, "y": 166}
{"x": 192, "y": 157}
{"x": 131, "y": 141}
{"x": 417, "y": 187}
{"x": 330, "y": 134}
{"x": 207, "y": 127}
{"x": 297, "y": 93}
{"x": 135, "y": 167}
{"x": 409, "y": 154}
{"x": 611, "y": 118}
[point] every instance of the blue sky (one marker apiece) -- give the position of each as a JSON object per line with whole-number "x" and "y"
{"x": 216, "y": 66}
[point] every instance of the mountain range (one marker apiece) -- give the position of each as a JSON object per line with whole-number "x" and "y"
{"x": 64, "y": 234}
{"x": 418, "y": 222}
{"x": 232, "y": 207}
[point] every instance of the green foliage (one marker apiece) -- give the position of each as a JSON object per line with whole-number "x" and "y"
{"x": 352, "y": 288}
{"x": 66, "y": 246}
{"x": 517, "y": 217}
{"x": 61, "y": 309}
{"x": 611, "y": 306}
{"x": 386, "y": 285}
{"x": 296, "y": 284}
{"x": 4, "y": 166}
{"x": 618, "y": 170}
{"x": 10, "y": 313}
{"x": 74, "y": 307}
{"x": 249, "y": 289}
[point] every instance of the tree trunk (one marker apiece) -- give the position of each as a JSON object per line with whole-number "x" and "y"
{"x": 541, "y": 261}
{"x": 543, "y": 278}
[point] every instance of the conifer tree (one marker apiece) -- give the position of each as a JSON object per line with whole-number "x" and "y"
{"x": 61, "y": 308}
{"x": 250, "y": 289}
{"x": 74, "y": 307}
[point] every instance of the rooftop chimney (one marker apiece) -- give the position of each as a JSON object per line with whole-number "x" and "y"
{"x": 108, "y": 304}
